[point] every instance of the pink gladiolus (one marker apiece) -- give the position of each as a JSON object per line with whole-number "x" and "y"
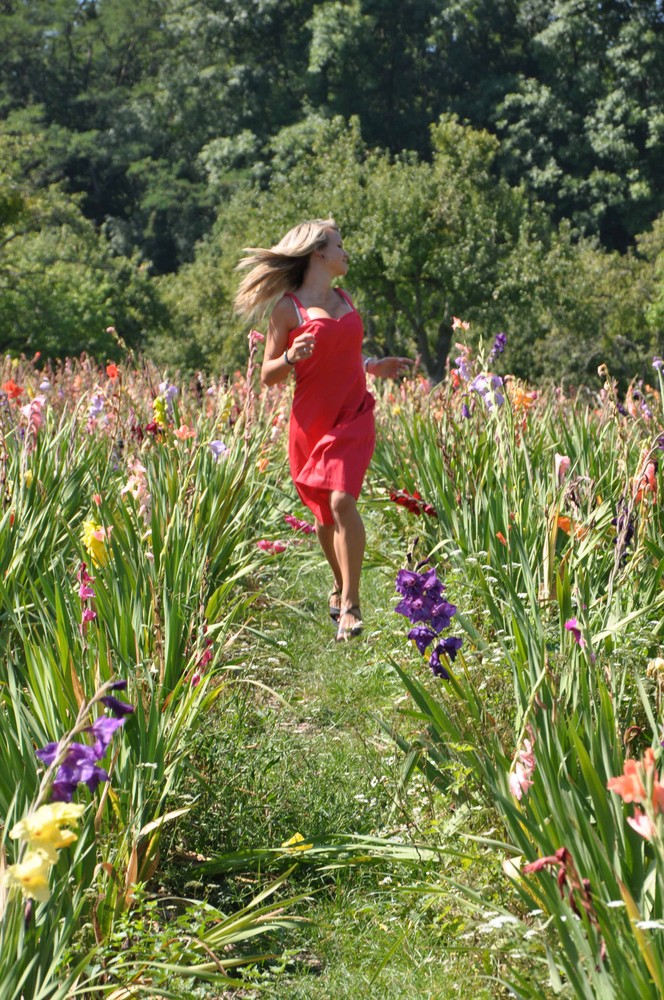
{"x": 272, "y": 547}
{"x": 519, "y": 781}
{"x": 184, "y": 432}
{"x": 255, "y": 338}
{"x": 297, "y": 525}
{"x": 642, "y": 824}
{"x": 85, "y": 592}
{"x": 459, "y": 324}
{"x": 561, "y": 466}
{"x": 572, "y": 626}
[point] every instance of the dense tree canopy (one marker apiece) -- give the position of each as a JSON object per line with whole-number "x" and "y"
{"x": 168, "y": 129}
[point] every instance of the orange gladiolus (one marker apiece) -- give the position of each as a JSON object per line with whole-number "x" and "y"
{"x": 567, "y": 525}
{"x": 12, "y": 389}
{"x": 112, "y": 371}
{"x": 501, "y": 538}
{"x": 647, "y": 483}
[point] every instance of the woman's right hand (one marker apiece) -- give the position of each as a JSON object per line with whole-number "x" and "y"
{"x": 301, "y": 348}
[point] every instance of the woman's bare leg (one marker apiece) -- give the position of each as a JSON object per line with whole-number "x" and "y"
{"x": 325, "y": 535}
{"x": 349, "y": 543}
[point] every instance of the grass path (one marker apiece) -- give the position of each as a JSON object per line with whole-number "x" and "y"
{"x": 322, "y": 764}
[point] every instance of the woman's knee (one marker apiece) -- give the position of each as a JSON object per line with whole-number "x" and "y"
{"x": 341, "y": 504}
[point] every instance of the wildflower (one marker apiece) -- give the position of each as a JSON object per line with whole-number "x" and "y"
{"x": 120, "y": 709}
{"x": 501, "y": 538}
{"x": 255, "y": 338}
{"x": 499, "y": 346}
{"x": 459, "y": 324}
{"x": 160, "y": 413}
{"x": 183, "y": 433}
{"x": 30, "y": 876}
{"x": 449, "y": 648}
{"x": 465, "y": 412}
{"x": 422, "y": 636}
{"x": 488, "y": 386}
{"x": 13, "y": 390}
{"x": 413, "y": 503}
{"x": 96, "y": 407}
{"x": 45, "y": 385}
{"x": 137, "y": 486}
{"x": 272, "y": 547}
{"x": 297, "y": 525}
{"x": 631, "y": 785}
{"x": 218, "y": 448}
{"x": 646, "y": 483}
{"x": 521, "y": 777}
{"x": 572, "y": 626}
{"x": 43, "y": 830}
{"x": 112, "y": 371}
{"x": 94, "y": 539}
{"x": 571, "y": 527}
{"x": 111, "y": 330}
{"x": 657, "y": 363}
{"x": 102, "y": 730}
{"x": 87, "y": 615}
{"x": 642, "y": 823}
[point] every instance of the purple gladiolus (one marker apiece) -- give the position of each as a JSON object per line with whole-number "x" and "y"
{"x": 118, "y": 708}
{"x": 218, "y": 448}
{"x": 422, "y": 637}
{"x": 465, "y": 412}
{"x": 572, "y": 626}
{"x": 102, "y": 729}
{"x": 448, "y": 647}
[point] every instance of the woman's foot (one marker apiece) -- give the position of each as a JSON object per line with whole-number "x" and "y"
{"x": 334, "y": 601}
{"x": 350, "y": 622}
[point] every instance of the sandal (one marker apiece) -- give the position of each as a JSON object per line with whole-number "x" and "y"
{"x": 354, "y": 630}
{"x": 335, "y": 609}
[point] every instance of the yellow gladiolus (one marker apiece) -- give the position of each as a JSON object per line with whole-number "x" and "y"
{"x": 30, "y": 876}
{"x": 42, "y": 829}
{"x": 94, "y": 541}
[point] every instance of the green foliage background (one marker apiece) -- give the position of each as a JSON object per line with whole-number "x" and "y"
{"x": 492, "y": 160}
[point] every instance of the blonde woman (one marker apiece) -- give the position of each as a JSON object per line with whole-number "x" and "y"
{"x": 316, "y": 334}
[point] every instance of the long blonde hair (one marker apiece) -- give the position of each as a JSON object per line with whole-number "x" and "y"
{"x": 281, "y": 268}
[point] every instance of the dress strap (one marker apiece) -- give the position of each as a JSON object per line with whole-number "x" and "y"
{"x": 302, "y": 314}
{"x": 345, "y": 297}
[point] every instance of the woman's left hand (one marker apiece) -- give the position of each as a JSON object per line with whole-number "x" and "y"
{"x": 389, "y": 367}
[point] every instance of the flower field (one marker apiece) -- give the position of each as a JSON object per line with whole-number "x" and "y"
{"x": 517, "y": 542}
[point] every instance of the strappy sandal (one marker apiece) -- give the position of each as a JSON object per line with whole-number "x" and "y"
{"x": 354, "y": 630}
{"x": 335, "y": 609}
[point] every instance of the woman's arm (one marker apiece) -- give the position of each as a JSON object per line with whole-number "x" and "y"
{"x": 387, "y": 367}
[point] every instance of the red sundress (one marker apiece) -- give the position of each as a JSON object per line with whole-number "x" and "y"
{"x": 332, "y": 432}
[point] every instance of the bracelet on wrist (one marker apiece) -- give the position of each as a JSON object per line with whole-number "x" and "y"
{"x": 287, "y": 359}
{"x": 367, "y": 362}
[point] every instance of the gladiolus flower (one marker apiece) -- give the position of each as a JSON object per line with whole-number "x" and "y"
{"x": 297, "y": 525}
{"x": 112, "y": 371}
{"x": 184, "y": 432}
{"x": 218, "y": 448}
{"x": 94, "y": 541}
{"x": 255, "y": 338}
{"x": 561, "y": 466}
{"x": 572, "y": 626}
{"x": 272, "y": 547}
{"x": 646, "y": 483}
{"x": 459, "y": 324}
{"x": 501, "y": 538}
{"x": 12, "y": 389}
{"x": 30, "y": 876}
{"x": 42, "y": 829}
{"x": 643, "y": 825}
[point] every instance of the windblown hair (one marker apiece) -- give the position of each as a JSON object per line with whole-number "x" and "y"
{"x": 279, "y": 269}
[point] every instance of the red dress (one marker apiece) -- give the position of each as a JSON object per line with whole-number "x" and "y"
{"x": 332, "y": 433}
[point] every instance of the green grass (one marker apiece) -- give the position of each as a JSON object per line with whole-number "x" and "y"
{"x": 297, "y": 747}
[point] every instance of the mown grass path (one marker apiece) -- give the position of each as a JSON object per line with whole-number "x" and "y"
{"x": 319, "y": 762}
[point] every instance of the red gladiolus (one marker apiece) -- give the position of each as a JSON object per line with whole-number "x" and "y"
{"x": 413, "y": 503}
{"x": 112, "y": 371}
